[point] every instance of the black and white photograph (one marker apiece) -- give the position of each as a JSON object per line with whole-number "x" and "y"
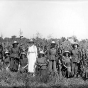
{"x": 43, "y": 43}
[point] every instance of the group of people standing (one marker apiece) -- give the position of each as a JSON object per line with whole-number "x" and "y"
{"x": 54, "y": 59}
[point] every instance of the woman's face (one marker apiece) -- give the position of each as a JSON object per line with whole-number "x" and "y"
{"x": 7, "y": 55}
{"x": 75, "y": 46}
{"x": 66, "y": 54}
{"x": 23, "y": 56}
{"x": 15, "y": 45}
{"x": 41, "y": 55}
{"x": 53, "y": 45}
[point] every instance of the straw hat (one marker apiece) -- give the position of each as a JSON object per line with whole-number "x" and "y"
{"x": 31, "y": 41}
{"x": 6, "y": 52}
{"x": 64, "y": 54}
{"x": 23, "y": 53}
{"x": 41, "y": 52}
{"x": 75, "y": 43}
{"x": 15, "y": 42}
{"x": 53, "y": 42}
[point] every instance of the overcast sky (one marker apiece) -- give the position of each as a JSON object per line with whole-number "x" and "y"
{"x": 56, "y": 18}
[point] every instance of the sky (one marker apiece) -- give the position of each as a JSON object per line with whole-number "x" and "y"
{"x": 50, "y": 18}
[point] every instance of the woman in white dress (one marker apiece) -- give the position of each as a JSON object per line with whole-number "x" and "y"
{"x": 31, "y": 55}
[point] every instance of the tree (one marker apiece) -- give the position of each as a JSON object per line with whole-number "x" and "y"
{"x": 74, "y": 38}
{"x": 66, "y": 45}
{"x": 62, "y": 39}
{"x": 13, "y": 38}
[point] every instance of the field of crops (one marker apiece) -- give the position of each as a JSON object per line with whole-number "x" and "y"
{"x": 15, "y": 80}
{"x": 9, "y": 79}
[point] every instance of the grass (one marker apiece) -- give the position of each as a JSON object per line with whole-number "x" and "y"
{"x": 10, "y": 79}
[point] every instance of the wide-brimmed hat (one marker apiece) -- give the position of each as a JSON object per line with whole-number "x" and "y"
{"x": 53, "y": 42}
{"x": 67, "y": 51}
{"x": 23, "y": 53}
{"x": 41, "y": 52}
{"x": 6, "y": 52}
{"x": 15, "y": 42}
{"x": 64, "y": 53}
{"x": 75, "y": 43}
{"x": 31, "y": 41}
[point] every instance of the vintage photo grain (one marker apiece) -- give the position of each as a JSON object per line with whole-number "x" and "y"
{"x": 43, "y": 43}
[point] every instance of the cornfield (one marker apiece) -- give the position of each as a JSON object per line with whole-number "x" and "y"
{"x": 9, "y": 79}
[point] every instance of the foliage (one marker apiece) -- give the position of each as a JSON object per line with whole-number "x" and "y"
{"x": 42, "y": 42}
{"x": 24, "y": 79}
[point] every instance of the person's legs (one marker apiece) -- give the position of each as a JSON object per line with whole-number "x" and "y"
{"x": 16, "y": 64}
{"x": 76, "y": 69}
{"x": 44, "y": 75}
{"x": 11, "y": 64}
{"x": 79, "y": 70}
{"x": 69, "y": 71}
{"x": 54, "y": 66}
{"x": 73, "y": 68}
{"x": 50, "y": 66}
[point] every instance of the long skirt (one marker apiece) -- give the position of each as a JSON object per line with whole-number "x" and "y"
{"x": 52, "y": 66}
{"x": 31, "y": 62}
{"x": 6, "y": 62}
{"x": 23, "y": 65}
{"x": 14, "y": 63}
{"x": 74, "y": 69}
{"x": 23, "y": 62}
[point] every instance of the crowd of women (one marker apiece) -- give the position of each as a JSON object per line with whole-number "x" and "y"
{"x": 54, "y": 60}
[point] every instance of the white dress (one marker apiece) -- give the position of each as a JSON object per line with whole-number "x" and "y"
{"x": 32, "y": 55}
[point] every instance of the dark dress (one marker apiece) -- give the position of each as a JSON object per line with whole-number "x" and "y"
{"x": 23, "y": 61}
{"x": 14, "y": 59}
